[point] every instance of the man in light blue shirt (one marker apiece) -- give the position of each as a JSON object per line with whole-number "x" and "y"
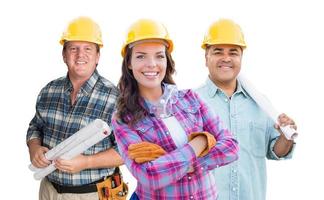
{"x": 256, "y": 133}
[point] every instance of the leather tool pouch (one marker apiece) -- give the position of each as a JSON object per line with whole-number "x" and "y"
{"x": 113, "y": 188}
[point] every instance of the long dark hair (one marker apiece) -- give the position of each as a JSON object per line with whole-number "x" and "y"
{"x": 130, "y": 104}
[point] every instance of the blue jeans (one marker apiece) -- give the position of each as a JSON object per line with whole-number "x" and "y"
{"x": 134, "y": 197}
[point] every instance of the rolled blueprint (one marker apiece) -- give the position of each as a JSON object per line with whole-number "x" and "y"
{"x": 74, "y": 145}
{"x": 266, "y": 106}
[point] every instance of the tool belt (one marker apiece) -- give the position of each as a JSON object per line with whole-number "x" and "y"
{"x": 108, "y": 188}
{"x": 113, "y": 188}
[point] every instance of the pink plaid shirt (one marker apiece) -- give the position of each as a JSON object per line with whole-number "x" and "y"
{"x": 167, "y": 177}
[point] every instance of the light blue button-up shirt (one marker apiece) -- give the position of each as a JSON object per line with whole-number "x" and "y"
{"x": 246, "y": 178}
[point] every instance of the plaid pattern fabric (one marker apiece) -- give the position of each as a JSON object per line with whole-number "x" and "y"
{"x": 167, "y": 177}
{"x": 56, "y": 119}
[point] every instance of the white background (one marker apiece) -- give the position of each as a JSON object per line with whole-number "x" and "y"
{"x": 283, "y": 59}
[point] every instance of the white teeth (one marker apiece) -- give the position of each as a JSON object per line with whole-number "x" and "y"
{"x": 80, "y": 62}
{"x": 226, "y": 66}
{"x": 150, "y": 73}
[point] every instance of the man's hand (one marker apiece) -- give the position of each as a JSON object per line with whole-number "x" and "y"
{"x": 284, "y": 120}
{"x": 72, "y": 166}
{"x": 283, "y": 146}
{"x": 37, "y": 153}
{"x": 145, "y": 151}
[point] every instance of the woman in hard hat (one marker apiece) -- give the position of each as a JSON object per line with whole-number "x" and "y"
{"x": 167, "y": 137}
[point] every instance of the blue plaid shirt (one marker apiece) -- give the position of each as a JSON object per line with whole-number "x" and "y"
{"x": 56, "y": 119}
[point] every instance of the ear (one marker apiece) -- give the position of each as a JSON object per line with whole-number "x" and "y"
{"x": 129, "y": 67}
{"x": 97, "y": 58}
{"x": 63, "y": 56}
{"x": 206, "y": 57}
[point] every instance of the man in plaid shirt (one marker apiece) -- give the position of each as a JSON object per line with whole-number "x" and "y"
{"x": 66, "y": 105}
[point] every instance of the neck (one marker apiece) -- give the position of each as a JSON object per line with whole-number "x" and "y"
{"x": 227, "y": 87}
{"x": 76, "y": 84}
{"x": 151, "y": 94}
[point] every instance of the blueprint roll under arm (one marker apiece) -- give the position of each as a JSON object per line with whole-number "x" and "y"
{"x": 266, "y": 105}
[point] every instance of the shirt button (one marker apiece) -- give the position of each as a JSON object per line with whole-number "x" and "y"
{"x": 167, "y": 133}
{"x": 234, "y": 189}
{"x": 162, "y": 101}
{"x": 191, "y": 197}
{"x": 189, "y": 177}
{"x": 226, "y": 100}
{"x": 202, "y": 168}
{"x": 234, "y": 170}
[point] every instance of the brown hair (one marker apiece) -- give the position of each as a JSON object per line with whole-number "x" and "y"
{"x": 65, "y": 44}
{"x": 129, "y": 105}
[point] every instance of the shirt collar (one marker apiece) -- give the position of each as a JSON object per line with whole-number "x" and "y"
{"x": 213, "y": 89}
{"x": 240, "y": 89}
{"x": 87, "y": 87}
{"x": 167, "y": 88}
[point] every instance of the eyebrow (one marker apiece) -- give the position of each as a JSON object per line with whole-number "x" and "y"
{"x": 140, "y": 52}
{"x": 236, "y": 50}
{"x": 86, "y": 46}
{"x": 218, "y": 49}
{"x": 221, "y": 49}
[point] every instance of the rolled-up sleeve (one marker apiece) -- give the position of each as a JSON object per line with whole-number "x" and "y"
{"x": 273, "y": 156}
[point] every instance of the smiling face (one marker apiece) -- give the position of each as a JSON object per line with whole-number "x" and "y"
{"x": 224, "y": 64}
{"x": 149, "y": 64}
{"x": 81, "y": 58}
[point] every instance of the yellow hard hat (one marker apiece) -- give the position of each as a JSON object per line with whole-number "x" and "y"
{"x": 82, "y": 29}
{"x": 146, "y": 29}
{"x": 224, "y": 31}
